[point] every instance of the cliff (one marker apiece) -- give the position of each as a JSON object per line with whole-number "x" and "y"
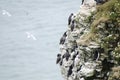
{"x": 90, "y": 47}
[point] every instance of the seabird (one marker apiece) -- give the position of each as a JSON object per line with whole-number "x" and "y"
{"x": 74, "y": 56}
{"x": 101, "y": 1}
{"x": 58, "y": 58}
{"x": 66, "y": 55}
{"x": 77, "y": 60}
{"x": 82, "y": 1}
{"x": 79, "y": 68}
{"x": 30, "y": 35}
{"x": 62, "y": 40}
{"x": 75, "y": 45}
{"x": 72, "y": 50}
{"x": 4, "y": 12}
{"x": 70, "y": 18}
{"x": 61, "y": 62}
{"x": 72, "y": 25}
{"x": 70, "y": 71}
{"x": 65, "y": 34}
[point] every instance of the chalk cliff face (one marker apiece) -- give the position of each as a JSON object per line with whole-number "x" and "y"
{"x": 90, "y": 47}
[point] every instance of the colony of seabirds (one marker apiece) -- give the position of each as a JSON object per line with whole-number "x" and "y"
{"x": 79, "y": 62}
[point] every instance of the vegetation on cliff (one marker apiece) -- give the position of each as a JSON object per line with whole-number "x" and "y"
{"x": 105, "y": 30}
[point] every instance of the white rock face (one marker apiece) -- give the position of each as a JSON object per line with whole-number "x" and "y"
{"x": 82, "y": 79}
{"x": 91, "y": 3}
{"x": 88, "y": 69}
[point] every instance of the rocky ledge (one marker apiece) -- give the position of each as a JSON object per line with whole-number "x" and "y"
{"x": 90, "y": 48}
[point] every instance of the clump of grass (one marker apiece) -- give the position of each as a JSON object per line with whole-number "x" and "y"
{"x": 115, "y": 73}
{"x": 109, "y": 11}
{"x": 96, "y": 22}
{"x": 116, "y": 54}
{"x": 108, "y": 7}
{"x": 86, "y": 39}
{"x": 90, "y": 18}
{"x": 105, "y": 12}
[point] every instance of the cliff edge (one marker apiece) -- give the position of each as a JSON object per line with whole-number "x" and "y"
{"x": 90, "y": 47}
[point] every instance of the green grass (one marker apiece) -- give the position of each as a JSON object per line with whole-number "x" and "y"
{"x": 109, "y": 11}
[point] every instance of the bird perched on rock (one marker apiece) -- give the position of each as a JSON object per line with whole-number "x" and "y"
{"x": 77, "y": 60}
{"x": 75, "y": 45}
{"x": 73, "y": 55}
{"x": 66, "y": 55}
{"x": 79, "y": 68}
{"x": 70, "y": 18}
{"x": 82, "y": 1}
{"x": 72, "y": 25}
{"x": 65, "y": 34}
{"x": 63, "y": 38}
{"x": 58, "y": 58}
{"x": 70, "y": 71}
{"x": 61, "y": 62}
{"x": 101, "y": 1}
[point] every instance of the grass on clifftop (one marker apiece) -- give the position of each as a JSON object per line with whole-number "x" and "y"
{"x": 107, "y": 11}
